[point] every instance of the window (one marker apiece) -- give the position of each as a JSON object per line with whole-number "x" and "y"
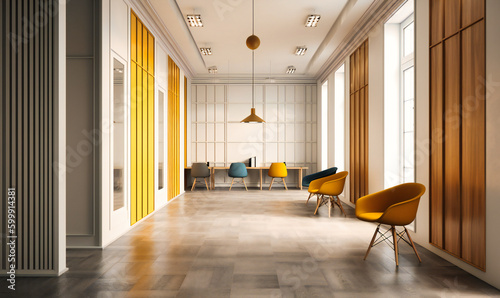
{"x": 119, "y": 134}
{"x": 407, "y": 105}
{"x": 339, "y": 118}
{"x": 324, "y": 125}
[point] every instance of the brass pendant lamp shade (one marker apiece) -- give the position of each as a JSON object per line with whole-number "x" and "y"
{"x": 253, "y": 42}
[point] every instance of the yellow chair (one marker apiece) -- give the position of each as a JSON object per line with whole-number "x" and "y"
{"x": 395, "y": 206}
{"x": 327, "y": 191}
{"x": 277, "y": 170}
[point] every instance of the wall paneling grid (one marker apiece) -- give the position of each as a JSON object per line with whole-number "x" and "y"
{"x": 289, "y": 134}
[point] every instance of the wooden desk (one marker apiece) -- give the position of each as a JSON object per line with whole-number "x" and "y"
{"x": 212, "y": 169}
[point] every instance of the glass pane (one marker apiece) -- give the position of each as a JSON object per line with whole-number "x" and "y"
{"x": 161, "y": 139}
{"x": 409, "y": 148}
{"x": 339, "y": 118}
{"x": 408, "y": 39}
{"x": 409, "y": 175}
{"x": 409, "y": 83}
{"x": 119, "y": 117}
{"x": 409, "y": 115}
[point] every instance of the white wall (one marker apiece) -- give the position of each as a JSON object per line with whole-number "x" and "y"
{"x": 289, "y": 134}
{"x": 376, "y": 109}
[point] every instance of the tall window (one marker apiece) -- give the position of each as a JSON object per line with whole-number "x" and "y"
{"x": 339, "y": 118}
{"x": 324, "y": 125}
{"x": 407, "y": 100}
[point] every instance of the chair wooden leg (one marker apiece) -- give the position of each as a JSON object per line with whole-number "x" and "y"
{"x": 270, "y": 186}
{"x": 371, "y": 242}
{"x": 413, "y": 245}
{"x": 194, "y": 183}
{"x": 232, "y": 180}
{"x": 206, "y": 184}
{"x": 310, "y": 195}
{"x": 245, "y": 184}
{"x": 339, "y": 203}
{"x": 395, "y": 239}
{"x": 284, "y": 183}
{"x": 317, "y": 204}
{"x": 329, "y": 203}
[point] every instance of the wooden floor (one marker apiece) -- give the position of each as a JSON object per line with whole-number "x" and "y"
{"x": 251, "y": 244}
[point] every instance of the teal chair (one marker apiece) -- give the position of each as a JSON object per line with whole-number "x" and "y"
{"x": 238, "y": 170}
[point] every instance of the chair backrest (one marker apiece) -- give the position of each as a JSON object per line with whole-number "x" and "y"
{"x": 308, "y": 178}
{"x": 277, "y": 170}
{"x": 200, "y": 170}
{"x": 335, "y": 185}
{"x": 237, "y": 170}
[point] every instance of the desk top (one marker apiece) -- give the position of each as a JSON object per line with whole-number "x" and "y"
{"x": 253, "y": 168}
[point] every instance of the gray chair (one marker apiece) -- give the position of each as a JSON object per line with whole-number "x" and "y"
{"x": 200, "y": 170}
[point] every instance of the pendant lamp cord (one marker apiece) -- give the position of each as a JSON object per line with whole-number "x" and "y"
{"x": 253, "y": 79}
{"x": 253, "y": 55}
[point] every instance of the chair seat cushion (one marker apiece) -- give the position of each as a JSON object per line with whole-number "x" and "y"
{"x": 370, "y": 216}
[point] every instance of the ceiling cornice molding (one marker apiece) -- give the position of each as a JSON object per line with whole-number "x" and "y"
{"x": 378, "y": 13}
{"x": 173, "y": 49}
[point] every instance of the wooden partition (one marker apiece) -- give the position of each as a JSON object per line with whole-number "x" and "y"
{"x": 141, "y": 120}
{"x": 359, "y": 123}
{"x": 173, "y": 173}
{"x": 457, "y": 123}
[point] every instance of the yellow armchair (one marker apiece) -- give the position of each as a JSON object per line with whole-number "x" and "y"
{"x": 395, "y": 206}
{"x": 327, "y": 190}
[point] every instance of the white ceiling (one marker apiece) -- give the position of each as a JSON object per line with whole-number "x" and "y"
{"x": 278, "y": 23}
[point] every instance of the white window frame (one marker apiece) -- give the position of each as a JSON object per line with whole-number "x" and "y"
{"x": 407, "y": 62}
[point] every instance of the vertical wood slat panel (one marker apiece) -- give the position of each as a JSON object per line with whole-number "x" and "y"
{"x": 28, "y": 82}
{"x": 437, "y": 132}
{"x": 173, "y": 177}
{"x": 142, "y": 120}
{"x": 359, "y": 122}
{"x": 452, "y": 145}
{"x": 452, "y": 18}
{"x": 436, "y": 21}
{"x": 472, "y": 10}
{"x": 473, "y": 145}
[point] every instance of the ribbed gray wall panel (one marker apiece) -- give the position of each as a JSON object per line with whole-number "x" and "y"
{"x": 27, "y": 129}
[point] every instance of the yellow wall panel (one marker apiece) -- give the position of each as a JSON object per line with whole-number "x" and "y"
{"x": 133, "y": 142}
{"x": 142, "y": 120}
{"x": 173, "y": 178}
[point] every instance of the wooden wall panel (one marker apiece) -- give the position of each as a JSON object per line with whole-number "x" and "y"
{"x": 28, "y": 90}
{"x": 457, "y": 116}
{"x": 141, "y": 120}
{"x": 437, "y": 21}
{"x": 472, "y": 11}
{"x": 359, "y": 122}
{"x": 451, "y": 17}
{"x": 437, "y": 157}
{"x": 473, "y": 145}
{"x": 452, "y": 146}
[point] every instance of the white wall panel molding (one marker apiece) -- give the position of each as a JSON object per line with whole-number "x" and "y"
{"x": 289, "y": 134}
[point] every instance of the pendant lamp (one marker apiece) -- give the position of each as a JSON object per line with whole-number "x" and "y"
{"x": 253, "y": 43}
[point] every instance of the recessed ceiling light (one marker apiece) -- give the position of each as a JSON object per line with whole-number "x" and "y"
{"x": 212, "y": 70}
{"x": 291, "y": 69}
{"x": 312, "y": 20}
{"x": 300, "y": 51}
{"x": 194, "y": 20}
{"x": 206, "y": 51}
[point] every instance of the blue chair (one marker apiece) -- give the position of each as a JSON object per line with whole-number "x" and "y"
{"x": 238, "y": 170}
{"x": 307, "y": 179}
{"x": 318, "y": 175}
